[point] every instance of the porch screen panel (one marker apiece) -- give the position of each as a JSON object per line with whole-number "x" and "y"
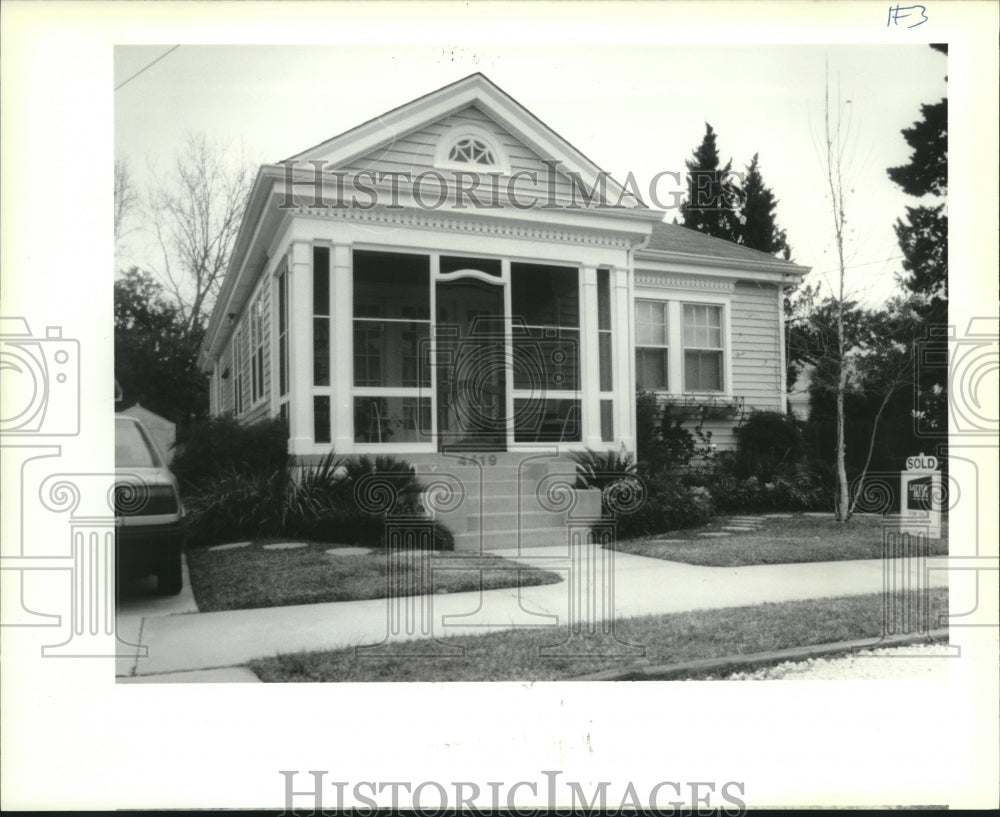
{"x": 545, "y": 316}
{"x": 321, "y": 316}
{"x": 392, "y": 373}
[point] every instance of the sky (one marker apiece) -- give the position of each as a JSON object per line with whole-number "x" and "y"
{"x": 637, "y": 110}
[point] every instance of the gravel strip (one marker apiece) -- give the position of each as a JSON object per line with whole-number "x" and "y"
{"x": 915, "y": 662}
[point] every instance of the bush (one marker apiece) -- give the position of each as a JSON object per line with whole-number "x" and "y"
{"x": 321, "y": 504}
{"x": 220, "y": 446}
{"x": 788, "y": 490}
{"x": 667, "y": 503}
{"x": 663, "y": 442}
{"x": 767, "y": 441}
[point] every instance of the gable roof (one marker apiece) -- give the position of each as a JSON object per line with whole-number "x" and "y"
{"x": 672, "y": 240}
{"x": 474, "y": 90}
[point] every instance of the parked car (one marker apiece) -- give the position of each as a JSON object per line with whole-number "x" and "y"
{"x": 148, "y": 508}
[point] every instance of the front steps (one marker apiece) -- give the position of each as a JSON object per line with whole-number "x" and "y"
{"x": 492, "y": 501}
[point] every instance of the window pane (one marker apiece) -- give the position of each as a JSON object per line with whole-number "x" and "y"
{"x": 603, "y": 299}
{"x": 547, "y": 359}
{"x": 546, "y": 420}
{"x": 321, "y": 419}
{"x": 702, "y": 370}
{"x": 545, "y": 296}
{"x": 607, "y": 421}
{"x": 391, "y": 354}
{"x": 391, "y": 285}
{"x": 392, "y": 419}
{"x": 283, "y": 364}
{"x": 321, "y": 351}
{"x": 321, "y": 280}
{"x": 604, "y": 350}
{"x": 651, "y": 369}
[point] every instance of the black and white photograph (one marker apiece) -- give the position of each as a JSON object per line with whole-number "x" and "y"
{"x": 498, "y": 398}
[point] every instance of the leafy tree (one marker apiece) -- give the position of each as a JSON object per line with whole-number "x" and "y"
{"x": 155, "y": 351}
{"x": 758, "y": 228}
{"x": 712, "y": 194}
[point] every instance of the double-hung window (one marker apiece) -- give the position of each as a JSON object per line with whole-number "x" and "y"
{"x": 257, "y": 349}
{"x": 703, "y": 351}
{"x": 652, "y": 348}
{"x": 680, "y": 347}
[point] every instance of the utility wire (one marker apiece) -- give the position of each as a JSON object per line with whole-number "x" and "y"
{"x": 165, "y": 53}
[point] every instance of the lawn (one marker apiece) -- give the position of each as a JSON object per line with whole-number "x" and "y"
{"x": 514, "y": 655}
{"x": 250, "y": 577}
{"x": 775, "y": 541}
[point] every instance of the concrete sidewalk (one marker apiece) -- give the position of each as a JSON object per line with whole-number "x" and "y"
{"x": 178, "y": 640}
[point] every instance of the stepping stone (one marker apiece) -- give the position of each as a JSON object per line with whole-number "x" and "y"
{"x": 738, "y": 527}
{"x": 818, "y": 514}
{"x": 713, "y": 535}
{"x": 348, "y": 551}
{"x": 778, "y": 515}
{"x": 286, "y": 546}
{"x": 232, "y": 546}
{"x": 667, "y": 541}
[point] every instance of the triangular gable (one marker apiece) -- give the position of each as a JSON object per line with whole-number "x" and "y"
{"x": 405, "y": 139}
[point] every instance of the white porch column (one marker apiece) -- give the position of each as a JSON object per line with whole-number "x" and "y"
{"x": 590, "y": 371}
{"x": 300, "y": 348}
{"x": 623, "y": 355}
{"x": 342, "y": 313}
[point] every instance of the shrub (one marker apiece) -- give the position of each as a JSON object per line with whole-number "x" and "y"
{"x": 767, "y": 441}
{"x": 217, "y": 446}
{"x": 667, "y": 503}
{"x": 663, "y": 442}
{"x": 321, "y": 504}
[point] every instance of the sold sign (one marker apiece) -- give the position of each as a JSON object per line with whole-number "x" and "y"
{"x": 921, "y": 463}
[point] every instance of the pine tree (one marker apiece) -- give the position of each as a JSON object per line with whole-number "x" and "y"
{"x": 712, "y": 196}
{"x": 923, "y": 237}
{"x": 758, "y": 228}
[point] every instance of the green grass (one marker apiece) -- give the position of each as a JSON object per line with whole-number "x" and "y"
{"x": 251, "y": 577}
{"x": 777, "y": 541}
{"x": 514, "y": 655}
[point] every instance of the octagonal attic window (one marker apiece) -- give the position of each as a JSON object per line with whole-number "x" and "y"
{"x": 470, "y": 150}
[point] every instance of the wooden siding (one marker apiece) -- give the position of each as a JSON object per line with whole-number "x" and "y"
{"x": 262, "y": 410}
{"x": 756, "y": 346}
{"x": 414, "y": 153}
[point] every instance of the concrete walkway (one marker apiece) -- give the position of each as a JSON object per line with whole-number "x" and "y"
{"x": 178, "y": 640}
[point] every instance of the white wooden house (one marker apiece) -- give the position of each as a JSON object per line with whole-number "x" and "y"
{"x": 455, "y": 276}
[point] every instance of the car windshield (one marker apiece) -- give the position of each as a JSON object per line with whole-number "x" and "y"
{"x": 132, "y": 449}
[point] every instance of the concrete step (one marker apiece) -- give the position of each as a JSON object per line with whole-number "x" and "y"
{"x": 499, "y": 539}
{"x": 514, "y": 520}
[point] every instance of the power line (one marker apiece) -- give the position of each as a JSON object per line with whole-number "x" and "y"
{"x": 165, "y": 53}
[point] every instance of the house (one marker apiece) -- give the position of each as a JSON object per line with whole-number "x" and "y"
{"x": 453, "y": 276}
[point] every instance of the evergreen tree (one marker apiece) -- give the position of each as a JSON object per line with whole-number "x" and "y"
{"x": 757, "y": 226}
{"x": 156, "y": 352}
{"x": 712, "y": 197}
{"x": 923, "y": 237}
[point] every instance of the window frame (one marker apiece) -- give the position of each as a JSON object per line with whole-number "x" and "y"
{"x": 257, "y": 392}
{"x": 720, "y": 349}
{"x": 675, "y": 300}
{"x": 664, "y": 348}
{"x": 450, "y": 138}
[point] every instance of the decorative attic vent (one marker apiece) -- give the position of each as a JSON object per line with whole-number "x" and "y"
{"x": 468, "y": 147}
{"x": 473, "y": 151}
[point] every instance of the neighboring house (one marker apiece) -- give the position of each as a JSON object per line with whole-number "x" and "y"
{"x": 382, "y": 308}
{"x": 163, "y": 432}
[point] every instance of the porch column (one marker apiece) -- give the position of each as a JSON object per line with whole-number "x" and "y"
{"x": 342, "y": 312}
{"x": 590, "y": 373}
{"x": 300, "y": 430}
{"x": 623, "y": 341}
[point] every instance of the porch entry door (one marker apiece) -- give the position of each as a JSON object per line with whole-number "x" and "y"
{"x": 472, "y": 363}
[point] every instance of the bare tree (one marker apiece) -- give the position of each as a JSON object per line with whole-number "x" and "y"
{"x": 195, "y": 214}
{"x": 126, "y": 197}
{"x": 835, "y": 166}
